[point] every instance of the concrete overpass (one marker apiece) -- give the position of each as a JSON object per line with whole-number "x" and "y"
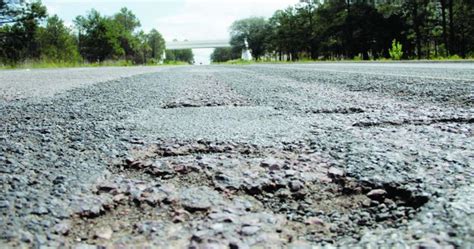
{"x": 246, "y": 55}
{"x": 197, "y": 44}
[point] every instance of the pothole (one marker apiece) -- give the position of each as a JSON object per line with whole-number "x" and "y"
{"x": 203, "y": 103}
{"x": 427, "y": 121}
{"x": 211, "y": 92}
{"x": 233, "y": 195}
{"x": 348, "y": 110}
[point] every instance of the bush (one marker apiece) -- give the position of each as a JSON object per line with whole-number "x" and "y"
{"x": 455, "y": 57}
{"x": 358, "y": 57}
{"x": 396, "y": 52}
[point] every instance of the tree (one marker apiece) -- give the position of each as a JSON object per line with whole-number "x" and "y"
{"x": 462, "y": 28}
{"x": 143, "y": 50}
{"x": 183, "y": 55}
{"x": 56, "y": 41}
{"x": 331, "y": 17}
{"x": 452, "y": 41}
{"x": 102, "y": 38}
{"x": 17, "y": 11}
{"x": 23, "y": 36}
{"x": 126, "y": 23}
{"x": 444, "y": 25}
{"x": 7, "y": 12}
{"x": 256, "y": 30}
{"x": 371, "y": 37}
{"x": 416, "y": 12}
{"x": 307, "y": 15}
{"x": 287, "y": 36}
{"x": 157, "y": 45}
{"x": 337, "y": 29}
{"x": 224, "y": 54}
{"x": 18, "y": 33}
{"x": 99, "y": 37}
{"x": 127, "y": 20}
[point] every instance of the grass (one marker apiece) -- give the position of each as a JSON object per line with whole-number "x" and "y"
{"x": 175, "y": 63}
{"x": 124, "y": 63}
{"x": 237, "y": 62}
{"x": 454, "y": 58}
{"x": 51, "y": 64}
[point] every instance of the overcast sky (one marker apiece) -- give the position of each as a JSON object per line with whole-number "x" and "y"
{"x": 180, "y": 19}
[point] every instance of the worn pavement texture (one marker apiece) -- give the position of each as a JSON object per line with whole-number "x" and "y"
{"x": 269, "y": 156}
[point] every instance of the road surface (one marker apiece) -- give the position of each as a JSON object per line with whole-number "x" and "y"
{"x": 335, "y": 154}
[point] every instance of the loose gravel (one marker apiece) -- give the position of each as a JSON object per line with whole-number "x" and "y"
{"x": 267, "y": 156}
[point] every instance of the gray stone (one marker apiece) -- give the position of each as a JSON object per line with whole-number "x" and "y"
{"x": 198, "y": 199}
{"x": 4, "y": 204}
{"x": 104, "y": 233}
{"x": 334, "y": 172}
{"x": 61, "y": 228}
{"x": 377, "y": 194}
{"x": 41, "y": 210}
{"x": 296, "y": 185}
{"x": 272, "y": 163}
{"x": 249, "y": 230}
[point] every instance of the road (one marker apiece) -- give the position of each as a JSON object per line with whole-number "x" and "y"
{"x": 334, "y": 154}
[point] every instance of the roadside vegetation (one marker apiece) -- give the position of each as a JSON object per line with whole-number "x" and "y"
{"x": 225, "y": 55}
{"x": 30, "y": 38}
{"x": 334, "y": 30}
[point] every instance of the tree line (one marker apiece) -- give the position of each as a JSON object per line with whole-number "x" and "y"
{"x": 28, "y": 33}
{"x": 358, "y": 29}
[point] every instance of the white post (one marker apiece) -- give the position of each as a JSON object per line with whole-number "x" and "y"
{"x": 246, "y": 55}
{"x": 163, "y": 57}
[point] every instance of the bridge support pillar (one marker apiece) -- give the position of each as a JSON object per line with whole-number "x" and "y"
{"x": 246, "y": 55}
{"x": 163, "y": 57}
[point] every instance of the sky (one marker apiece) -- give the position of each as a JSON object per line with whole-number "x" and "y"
{"x": 175, "y": 19}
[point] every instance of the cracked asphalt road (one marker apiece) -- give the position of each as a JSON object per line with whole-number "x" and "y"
{"x": 286, "y": 155}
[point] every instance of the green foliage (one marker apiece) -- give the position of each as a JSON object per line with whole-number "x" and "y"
{"x": 455, "y": 57}
{"x": 256, "y": 30}
{"x": 181, "y": 55}
{"x": 21, "y": 11}
{"x": 112, "y": 38}
{"x": 239, "y": 62}
{"x": 127, "y": 20}
{"x": 62, "y": 64}
{"x": 224, "y": 54}
{"x": 126, "y": 23}
{"x": 26, "y": 40}
{"x": 175, "y": 63}
{"x": 287, "y": 36}
{"x": 18, "y": 37}
{"x": 4, "y": 12}
{"x": 156, "y": 44}
{"x": 358, "y": 57}
{"x": 99, "y": 37}
{"x": 310, "y": 30}
{"x": 362, "y": 30}
{"x": 396, "y": 52}
{"x": 57, "y": 44}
